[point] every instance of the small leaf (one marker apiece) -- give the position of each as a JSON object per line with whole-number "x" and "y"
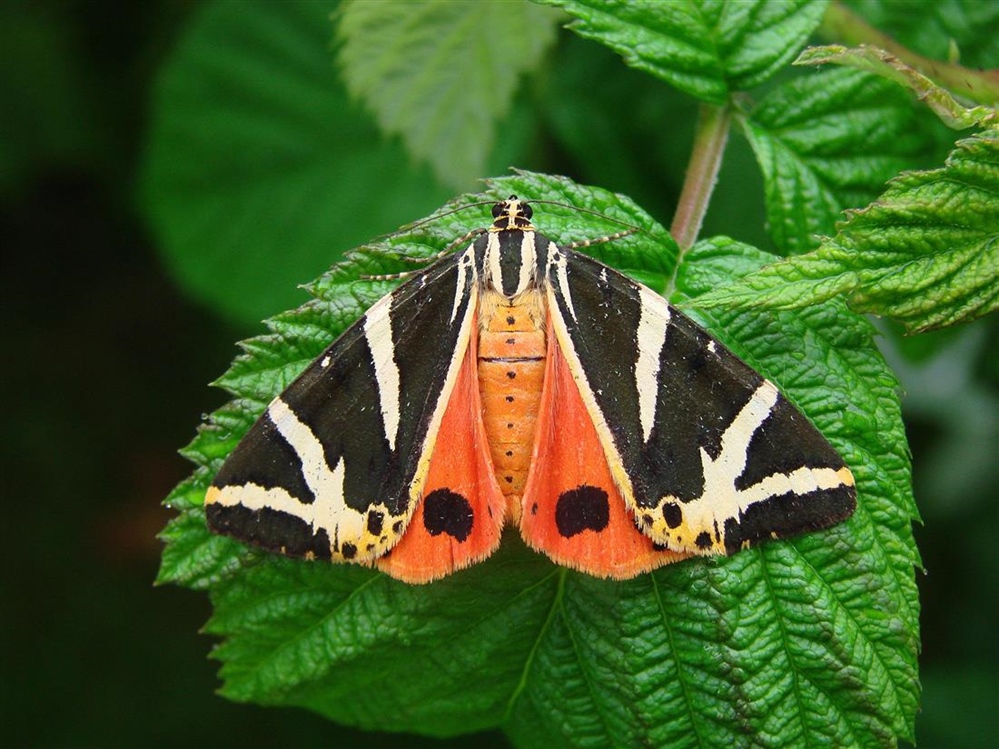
{"x": 827, "y": 142}
{"x": 882, "y": 63}
{"x": 807, "y": 642}
{"x": 440, "y": 74}
{"x": 194, "y": 557}
{"x": 926, "y": 253}
{"x": 706, "y": 48}
{"x": 259, "y": 172}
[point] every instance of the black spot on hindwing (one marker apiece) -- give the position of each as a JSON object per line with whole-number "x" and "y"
{"x": 444, "y": 511}
{"x": 581, "y": 509}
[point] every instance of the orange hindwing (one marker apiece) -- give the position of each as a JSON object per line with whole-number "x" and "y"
{"x": 460, "y": 517}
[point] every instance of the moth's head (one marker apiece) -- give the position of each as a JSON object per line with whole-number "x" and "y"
{"x": 512, "y": 213}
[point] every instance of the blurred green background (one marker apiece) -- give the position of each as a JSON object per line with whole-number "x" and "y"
{"x": 110, "y": 336}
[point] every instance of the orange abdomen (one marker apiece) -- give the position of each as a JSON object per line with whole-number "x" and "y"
{"x": 511, "y": 367}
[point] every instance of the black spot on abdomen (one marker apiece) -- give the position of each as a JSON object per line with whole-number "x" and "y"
{"x": 581, "y": 509}
{"x": 447, "y": 512}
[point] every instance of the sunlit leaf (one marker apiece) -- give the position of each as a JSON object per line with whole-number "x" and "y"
{"x": 708, "y": 48}
{"x": 925, "y": 253}
{"x": 826, "y": 142}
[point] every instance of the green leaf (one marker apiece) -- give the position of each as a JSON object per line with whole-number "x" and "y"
{"x": 827, "y": 142}
{"x": 193, "y": 557}
{"x": 707, "y": 48}
{"x": 802, "y": 643}
{"x": 926, "y": 253}
{"x": 259, "y": 172}
{"x": 441, "y": 74}
{"x": 886, "y": 65}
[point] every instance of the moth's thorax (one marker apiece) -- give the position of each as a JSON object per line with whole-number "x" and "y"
{"x": 511, "y": 367}
{"x": 509, "y": 262}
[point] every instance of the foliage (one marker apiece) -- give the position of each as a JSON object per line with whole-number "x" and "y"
{"x": 924, "y": 253}
{"x": 800, "y": 643}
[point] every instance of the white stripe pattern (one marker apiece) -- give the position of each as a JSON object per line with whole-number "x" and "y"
{"x": 557, "y": 258}
{"x": 328, "y": 511}
{"x": 492, "y": 261}
{"x": 721, "y": 498}
{"x": 378, "y": 333}
{"x": 653, "y": 323}
{"x": 466, "y": 268}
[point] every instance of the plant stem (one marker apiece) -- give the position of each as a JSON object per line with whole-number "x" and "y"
{"x": 841, "y": 25}
{"x": 702, "y": 172}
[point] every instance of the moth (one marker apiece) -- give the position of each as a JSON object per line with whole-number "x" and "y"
{"x": 519, "y": 382}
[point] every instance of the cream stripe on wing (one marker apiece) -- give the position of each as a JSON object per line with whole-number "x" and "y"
{"x": 326, "y": 513}
{"x": 378, "y": 332}
{"x": 466, "y": 268}
{"x": 721, "y": 498}
{"x": 735, "y": 442}
{"x": 652, "y": 325}
{"x": 329, "y": 510}
{"x": 558, "y": 259}
{"x": 255, "y": 497}
{"x": 800, "y": 481}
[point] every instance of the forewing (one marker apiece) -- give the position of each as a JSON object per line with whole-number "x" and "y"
{"x": 710, "y": 456}
{"x": 333, "y": 467}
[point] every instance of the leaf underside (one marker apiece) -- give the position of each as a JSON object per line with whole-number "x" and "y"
{"x": 400, "y": 59}
{"x": 259, "y": 170}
